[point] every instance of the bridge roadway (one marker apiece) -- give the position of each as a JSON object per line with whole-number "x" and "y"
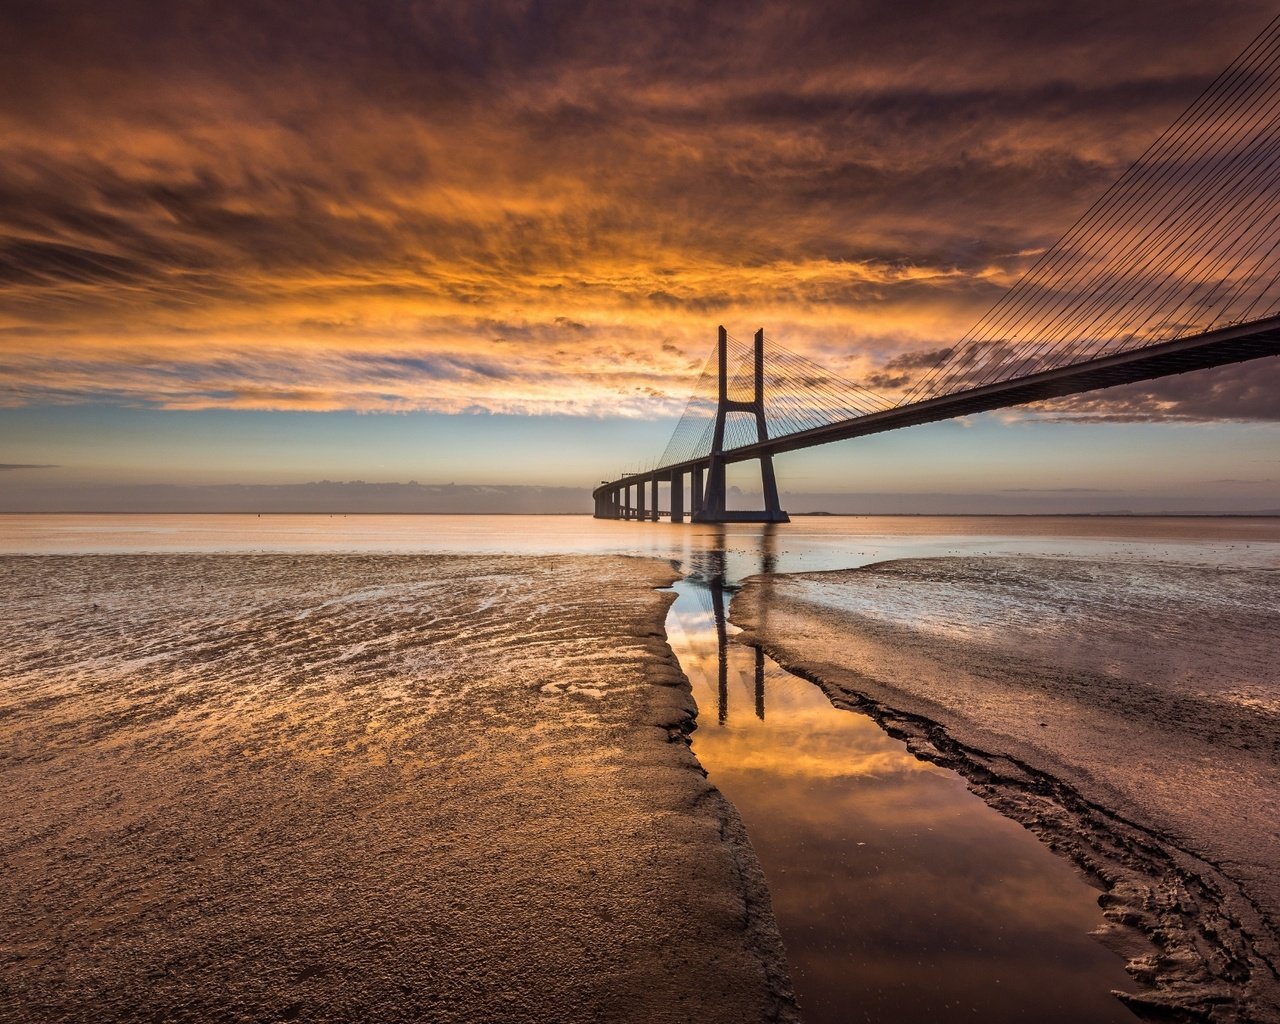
{"x": 1233, "y": 344}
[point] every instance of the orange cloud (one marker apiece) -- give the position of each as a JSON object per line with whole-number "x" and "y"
{"x": 438, "y": 207}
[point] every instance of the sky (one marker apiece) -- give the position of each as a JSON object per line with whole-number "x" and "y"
{"x": 250, "y": 247}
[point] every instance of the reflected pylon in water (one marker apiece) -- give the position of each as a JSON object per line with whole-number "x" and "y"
{"x": 768, "y": 563}
{"x": 722, "y": 649}
{"x": 769, "y": 548}
{"x": 759, "y": 684}
{"x": 721, "y": 593}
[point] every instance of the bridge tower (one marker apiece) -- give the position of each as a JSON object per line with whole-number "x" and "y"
{"x": 712, "y": 509}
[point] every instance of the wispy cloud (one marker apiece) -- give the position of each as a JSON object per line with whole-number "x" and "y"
{"x": 497, "y": 206}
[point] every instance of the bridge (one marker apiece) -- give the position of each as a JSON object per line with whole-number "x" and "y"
{"x": 1175, "y": 268}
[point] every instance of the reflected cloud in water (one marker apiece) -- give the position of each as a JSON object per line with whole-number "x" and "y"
{"x": 901, "y": 895}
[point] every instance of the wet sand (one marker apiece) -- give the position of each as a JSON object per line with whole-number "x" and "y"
{"x": 343, "y": 787}
{"x": 1126, "y": 712}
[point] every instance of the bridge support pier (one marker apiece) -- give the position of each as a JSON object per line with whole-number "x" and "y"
{"x": 677, "y": 497}
{"x": 713, "y": 508}
{"x": 653, "y": 497}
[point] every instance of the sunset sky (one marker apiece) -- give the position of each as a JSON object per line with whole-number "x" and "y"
{"x": 489, "y": 243}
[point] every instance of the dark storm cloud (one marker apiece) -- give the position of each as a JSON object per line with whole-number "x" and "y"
{"x": 362, "y": 189}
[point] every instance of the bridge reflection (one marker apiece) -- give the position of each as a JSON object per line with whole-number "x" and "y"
{"x": 710, "y": 584}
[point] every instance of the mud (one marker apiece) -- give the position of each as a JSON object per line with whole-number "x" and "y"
{"x": 344, "y": 787}
{"x": 1126, "y": 713}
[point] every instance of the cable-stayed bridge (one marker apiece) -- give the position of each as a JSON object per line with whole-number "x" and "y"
{"x": 1176, "y": 267}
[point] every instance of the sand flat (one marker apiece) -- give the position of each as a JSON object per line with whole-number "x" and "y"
{"x": 336, "y": 787}
{"x": 1127, "y": 712}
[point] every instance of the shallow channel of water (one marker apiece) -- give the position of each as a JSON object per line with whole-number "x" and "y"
{"x": 901, "y": 895}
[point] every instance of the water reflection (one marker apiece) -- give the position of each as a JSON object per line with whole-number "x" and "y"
{"x": 901, "y": 896}
{"x": 713, "y": 573}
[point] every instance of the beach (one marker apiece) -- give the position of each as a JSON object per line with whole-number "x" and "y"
{"x": 1124, "y": 710}
{"x": 356, "y": 786}
{"x": 438, "y": 768}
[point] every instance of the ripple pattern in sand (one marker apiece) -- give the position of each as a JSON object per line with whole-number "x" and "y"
{"x": 339, "y": 787}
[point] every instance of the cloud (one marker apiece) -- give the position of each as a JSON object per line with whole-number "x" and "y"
{"x": 1241, "y": 391}
{"x": 510, "y": 207}
{"x": 5, "y": 466}
{"x": 919, "y": 360}
{"x": 888, "y": 381}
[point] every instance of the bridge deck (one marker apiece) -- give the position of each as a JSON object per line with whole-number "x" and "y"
{"x": 1214, "y": 348}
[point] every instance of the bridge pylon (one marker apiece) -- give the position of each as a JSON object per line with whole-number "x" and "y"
{"x": 712, "y": 508}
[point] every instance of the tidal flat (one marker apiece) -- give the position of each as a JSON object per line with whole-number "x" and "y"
{"x": 1127, "y": 712}
{"x": 363, "y": 787}
{"x": 324, "y": 767}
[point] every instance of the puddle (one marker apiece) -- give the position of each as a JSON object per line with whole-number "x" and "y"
{"x": 900, "y": 895}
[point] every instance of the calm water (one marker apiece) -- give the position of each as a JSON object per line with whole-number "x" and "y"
{"x": 900, "y": 895}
